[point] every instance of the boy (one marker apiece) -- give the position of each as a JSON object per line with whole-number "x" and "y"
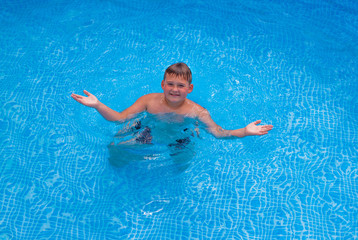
{"x": 176, "y": 86}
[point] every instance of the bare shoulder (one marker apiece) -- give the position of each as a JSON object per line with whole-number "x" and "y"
{"x": 194, "y": 105}
{"x": 151, "y": 102}
{"x": 149, "y": 97}
{"x": 194, "y": 109}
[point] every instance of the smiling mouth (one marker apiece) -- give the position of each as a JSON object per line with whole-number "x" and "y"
{"x": 175, "y": 95}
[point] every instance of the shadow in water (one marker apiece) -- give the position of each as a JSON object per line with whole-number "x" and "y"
{"x": 172, "y": 156}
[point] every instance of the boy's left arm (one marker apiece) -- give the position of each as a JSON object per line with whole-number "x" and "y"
{"x": 250, "y": 130}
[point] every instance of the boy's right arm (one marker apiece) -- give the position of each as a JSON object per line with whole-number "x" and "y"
{"x": 108, "y": 113}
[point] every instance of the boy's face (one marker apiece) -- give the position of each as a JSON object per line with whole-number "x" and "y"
{"x": 176, "y": 88}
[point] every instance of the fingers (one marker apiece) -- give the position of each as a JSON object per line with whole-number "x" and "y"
{"x": 78, "y": 98}
{"x": 75, "y": 96}
{"x": 263, "y": 132}
{"x": 257, "y": 122}
{"x": 84, "y": 91}
{"x": 263, "y": 126}
{"x": 87, "y": 93}
{"x": 267, "y": 127}
{"x": 264, "y": 129}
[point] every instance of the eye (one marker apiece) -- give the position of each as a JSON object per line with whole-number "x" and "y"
{"x": 181, "y": 86}
{"x": 170, "y": 84}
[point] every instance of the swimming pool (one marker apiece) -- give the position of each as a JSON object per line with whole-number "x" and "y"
{"x": 292, "y": 64}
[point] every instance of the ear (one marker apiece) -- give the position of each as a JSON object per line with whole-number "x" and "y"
{"x": 162, "y": 84}
{"x": 191, "y": 86}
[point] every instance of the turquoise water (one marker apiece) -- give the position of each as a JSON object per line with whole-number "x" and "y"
{"x": 292, "y": 64}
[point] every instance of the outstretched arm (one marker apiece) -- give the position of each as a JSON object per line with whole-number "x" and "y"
{"x": 250, "y": 130}
{"x": 108, "y": 113}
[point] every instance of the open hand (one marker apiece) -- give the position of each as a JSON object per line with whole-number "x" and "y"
{"x": 253, "y": 129}
{"x": 90, "y": 101}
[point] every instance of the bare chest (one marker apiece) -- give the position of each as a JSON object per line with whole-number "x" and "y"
{"x": 160, "y": 107}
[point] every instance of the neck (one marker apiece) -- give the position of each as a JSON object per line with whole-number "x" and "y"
{"x": 172, "y": 105}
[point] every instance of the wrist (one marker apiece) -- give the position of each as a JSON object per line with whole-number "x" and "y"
{"x": 98, "y": 105}
{"x": 245, "y": 132}
{"x": 240, "y": 133}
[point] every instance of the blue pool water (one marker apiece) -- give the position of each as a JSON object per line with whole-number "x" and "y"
{"x": 292, "y": 64}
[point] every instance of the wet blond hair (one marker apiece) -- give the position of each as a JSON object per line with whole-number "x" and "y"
{"x": 180, "y": 70}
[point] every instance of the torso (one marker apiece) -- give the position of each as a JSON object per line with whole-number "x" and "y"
{"x": 156, "y": 104}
